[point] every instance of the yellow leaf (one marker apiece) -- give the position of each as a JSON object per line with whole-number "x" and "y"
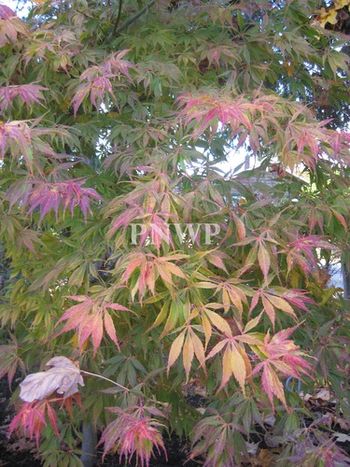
{"x": 264, "y": 260}
{"x": 188, "y": 354}
{"x": 207, "y": 329}
{"x": 339, "y": 4}
{"x": 161, "y": 316}
{"x": 175, "y": 349}
{"x": 329, "y": 16}
{"x": 198, "y": 349}
{"x": 226, "y": 368}
{"x": 226, "y": 300}
{"x": 236, "y": 299}
{"x": 252, "y": 323}
{"x": 281, "y": 304}
{"x": 269, "y": 309}
{"x": 219, "y": 322}
{"x": 238, "y": 367}
{"x": 273, "y": 385}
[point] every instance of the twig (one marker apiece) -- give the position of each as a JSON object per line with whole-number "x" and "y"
{"x": 134, "y": 18}
{"x": 106, "y": 379}
{"x": 132, "y": 391}
{"x": 120, "y": 6}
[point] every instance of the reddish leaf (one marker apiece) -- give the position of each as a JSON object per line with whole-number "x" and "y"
{"x": 28, "y": 93}
{"x": 133, "y": 433}
{"x": 89, "y": 318}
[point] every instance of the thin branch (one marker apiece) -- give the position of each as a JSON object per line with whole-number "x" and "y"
{"x": 128, "y": 22}
{"x": 106, "y": 379}
{"x": 131, "y": 391}
{"x": 120, "y": 7}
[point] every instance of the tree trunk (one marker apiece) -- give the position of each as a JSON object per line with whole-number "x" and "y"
{"x": 88, "y": 457}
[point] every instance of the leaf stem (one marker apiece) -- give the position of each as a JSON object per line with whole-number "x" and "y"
{"x": 106, "y": 379}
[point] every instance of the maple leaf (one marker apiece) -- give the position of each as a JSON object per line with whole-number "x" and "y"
{"x": 264, "y": 247}
{"x": 96, "y": 80}
{"x": 327, "y": 16}
{"x": 97, "y": 87}
{"x": 23, "y": 141}
{"x": 298, "y": 298}
{"x": 28, "y": 239}
{"x": 133, "y": 433}
{"x": 300, "y": 252}
{"x": 215, "y": 54}
{"x": 10, "y": 26}
{"x": 246, "y": 117}
{"x": 89, "y": 318}
{"x": 306, "y": 141}
{"x": 235, "y": 361}
{"x": 149, "y": 268}
{"x": 15, "y": 136}
{"x": 213, "y": 441}
{"x": 117, "y": 66}
{"x": 191, "y": 346}
{"x": 205, "y": 109}
{"x": 33, "y": 417}
{"x": 28, "y": 93}
{"x": 9, "y": 362}
{"x": 230, "y": 291}
{"x": 6, "y": 12}
{"x": 272, "y": 301}
{"x": 317, "y": 448}
{"x": 282, "y": 356}
{"x": 339, "y": 141}
{"x": 63, "y": 378}
{"x": 317, "y": 215}
{"x": 154, "y": 226}
{"x": 51, "y": 196}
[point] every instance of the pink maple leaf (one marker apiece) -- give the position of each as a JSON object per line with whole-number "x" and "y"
{"x": 10, "y": 26}
{"x": 46, "y": 196}
{"x": 96, "y": 80}
{"x": 282, "y": 356}
{"x": 22, "y": 139}
{"x": 206, "y": 110}
{"x": 301, "y": 252}
{"x": 215, "y": 54}
{"x": 307, "y": 140}
{"x": 133, "y": 433}
{"x": 28, "y": 93}
{"x": 89, "y": 318}
{"x": 154, "y": 225}
{"x": 116, "y": 66}
{"x": 95, "y": 85}
{"x": 33, "y": 417}
{"x": 6, "y": 12}
{"x": 16, "y": 137}
{"x": 339, "y": 140}
{"x": 298, "y": 298}
{"x": 246, "y": 117}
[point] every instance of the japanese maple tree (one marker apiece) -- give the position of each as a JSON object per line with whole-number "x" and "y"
{"x": 140, "y": 269}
